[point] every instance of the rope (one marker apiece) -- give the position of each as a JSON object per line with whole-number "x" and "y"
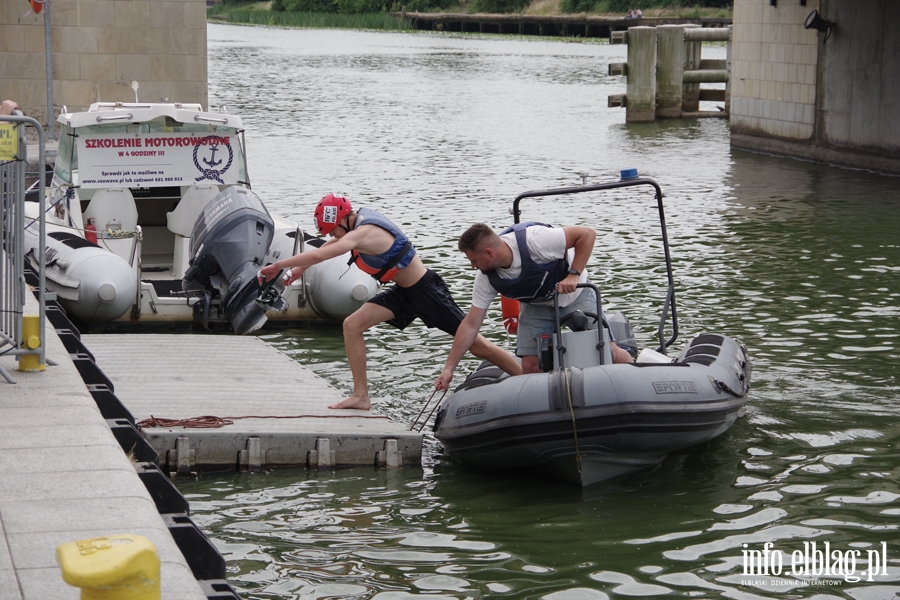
{"x": 427, "y": 402}
{"x": 574, "y": 427}
{"x": 116, "y": 233}
{"x": 724, "y": 386}
{"x": 102, "y": 233}
{"x": 213, "y": 422}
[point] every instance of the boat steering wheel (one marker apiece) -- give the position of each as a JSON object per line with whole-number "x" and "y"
{"x": 578, "y": 319}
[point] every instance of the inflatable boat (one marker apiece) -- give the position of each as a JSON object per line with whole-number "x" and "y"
{"x": 584, "y": 418}
{"x": 132, "y": 185}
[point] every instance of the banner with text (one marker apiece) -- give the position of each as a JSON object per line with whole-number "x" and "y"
{"x": 157, "y": 159}
{"x": 9, "y": 142}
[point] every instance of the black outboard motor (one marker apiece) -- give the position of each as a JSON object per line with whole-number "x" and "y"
{"x": 228, "y": 244}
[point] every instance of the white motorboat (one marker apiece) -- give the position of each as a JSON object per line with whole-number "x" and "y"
{"x": 131, "y": 184}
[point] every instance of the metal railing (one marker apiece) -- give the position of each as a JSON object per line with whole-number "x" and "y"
{"x": 13, "y": 287}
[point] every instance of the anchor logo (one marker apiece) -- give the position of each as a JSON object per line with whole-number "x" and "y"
{"x": 211, "y": 172}
{"x": 212, "y": 162}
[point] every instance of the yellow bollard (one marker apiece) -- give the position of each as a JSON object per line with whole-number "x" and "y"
{"x": 31, "y": 339}
{"x": 120, "y": 567}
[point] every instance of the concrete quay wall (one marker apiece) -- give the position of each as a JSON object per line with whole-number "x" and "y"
{"x": 99, "y": 47}
{"x": 66, "y": 478}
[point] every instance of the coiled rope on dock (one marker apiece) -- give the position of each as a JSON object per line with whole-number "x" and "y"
{"x": 213, "y": 422}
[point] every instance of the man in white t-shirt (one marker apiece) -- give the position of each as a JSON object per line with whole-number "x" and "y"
{"x": 528, "y": 262}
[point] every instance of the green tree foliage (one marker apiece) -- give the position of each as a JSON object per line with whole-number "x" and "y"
{"x": 356, "y": 7}
{"x": 423, "y": 5}
{"x": 316, "y": 6}
{"x": 499, "y": 6}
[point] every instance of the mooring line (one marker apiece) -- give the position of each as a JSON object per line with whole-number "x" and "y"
{"x": 427, "y": 402}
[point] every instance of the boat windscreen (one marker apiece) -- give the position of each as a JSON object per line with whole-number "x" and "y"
{"x": 139, "y": 146}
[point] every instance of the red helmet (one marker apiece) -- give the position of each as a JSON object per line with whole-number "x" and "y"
{"x": 329, "y": 212}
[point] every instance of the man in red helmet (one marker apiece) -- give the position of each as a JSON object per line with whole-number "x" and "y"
{"x": 380, "y": 248}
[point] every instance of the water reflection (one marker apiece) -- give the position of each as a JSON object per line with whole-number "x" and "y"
{"x": 798, "y": 261}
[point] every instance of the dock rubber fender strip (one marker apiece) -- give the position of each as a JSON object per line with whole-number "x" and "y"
{"x": 90, "y": 373}
{"x": 201, "y": 555}
{"x": 218, "y": 589}
{"x": 109, "y": 404}
{"x": 71, "y": 339}
{"x": 132, "y": 441}
{"x": 58, "y": 317}
{"x": 164, "y": 493}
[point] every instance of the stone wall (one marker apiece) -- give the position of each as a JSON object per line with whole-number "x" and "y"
{"x": 794, "y": 93}
{"x": 773, "y": 70}
{"x": 99, "y": 47}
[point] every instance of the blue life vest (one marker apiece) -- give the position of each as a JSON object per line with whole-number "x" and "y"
{"x": 383, "y": 266}
{"x": 537, "y": 281}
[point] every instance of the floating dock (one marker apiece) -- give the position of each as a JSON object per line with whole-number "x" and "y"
{"x": 270, "y": 410}
{"x": 75, "y": 468}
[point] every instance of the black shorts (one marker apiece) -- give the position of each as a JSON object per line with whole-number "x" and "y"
{"x": 428, "y": 299}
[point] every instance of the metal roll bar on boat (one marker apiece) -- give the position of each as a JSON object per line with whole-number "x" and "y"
{"x": 670, "y": 294}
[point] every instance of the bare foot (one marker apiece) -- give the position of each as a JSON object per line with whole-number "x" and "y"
{"x": 357, "y": 402}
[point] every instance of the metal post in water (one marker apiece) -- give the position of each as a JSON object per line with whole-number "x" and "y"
{"x": 670, "y": 71}
{"x": 641, "y": 86}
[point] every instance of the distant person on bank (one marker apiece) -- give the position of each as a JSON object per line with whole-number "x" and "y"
{"x": 528, "y": 262}
{"x": 379, "y": 248}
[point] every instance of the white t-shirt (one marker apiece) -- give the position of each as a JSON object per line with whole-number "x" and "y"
{"x": 545, "y": 244}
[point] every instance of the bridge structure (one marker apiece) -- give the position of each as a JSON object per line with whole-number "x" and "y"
{"x": 818, "y": 79}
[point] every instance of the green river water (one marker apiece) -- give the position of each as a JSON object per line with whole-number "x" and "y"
{"x": 799, "y": 261}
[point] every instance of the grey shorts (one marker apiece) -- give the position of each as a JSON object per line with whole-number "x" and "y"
{"x": 538, "y": 319}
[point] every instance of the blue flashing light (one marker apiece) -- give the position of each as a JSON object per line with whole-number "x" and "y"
{"x": 627, "y": 174}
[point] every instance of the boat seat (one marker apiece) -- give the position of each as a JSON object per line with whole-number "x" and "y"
{"x": 112, "y": 209}
{"x": 181, "y": 220}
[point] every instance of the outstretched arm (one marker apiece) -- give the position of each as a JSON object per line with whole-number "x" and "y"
{"x": 582, "y": 239}
{"x": 462, "y": 341}
{"x": 300, "y": 262}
